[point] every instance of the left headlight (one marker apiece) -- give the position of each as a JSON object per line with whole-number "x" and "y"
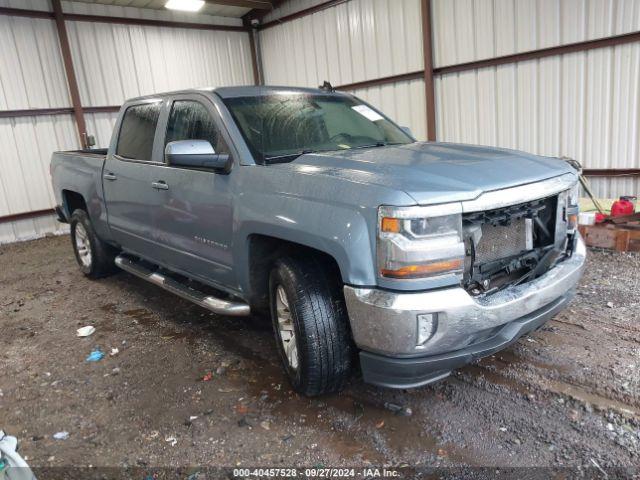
{"x": 573, "y": 207}
{"x": 574, "y": 195}
{"x": 420, "y": 242}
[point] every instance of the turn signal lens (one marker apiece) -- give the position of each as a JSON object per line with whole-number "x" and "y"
{"x": 391, "y": 225}
{"x": 416, "y": 271}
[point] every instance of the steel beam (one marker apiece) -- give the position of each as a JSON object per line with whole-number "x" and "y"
{"x": 26, "y": 215}
{"x": 429, "y": 88}
{"x": 541, "y": 53}
{"x": 72, "y": 81}
{"x": 253, "y": 4}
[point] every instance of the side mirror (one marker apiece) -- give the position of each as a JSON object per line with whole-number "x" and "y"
{"x": 196, "y": 154}
{"x": 407, "y": 130}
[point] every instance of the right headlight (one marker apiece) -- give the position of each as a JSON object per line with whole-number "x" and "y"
{"x": 420, "y": 242}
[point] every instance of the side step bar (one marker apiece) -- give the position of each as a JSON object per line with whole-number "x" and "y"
{"x": 214, "y": 304}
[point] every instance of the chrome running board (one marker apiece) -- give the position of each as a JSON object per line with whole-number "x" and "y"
{"x": 211, "y": 303}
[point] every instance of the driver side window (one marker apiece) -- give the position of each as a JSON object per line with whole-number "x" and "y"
{"x": 190, "y": 120}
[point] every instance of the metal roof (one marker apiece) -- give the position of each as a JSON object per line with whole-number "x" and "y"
{"x": 207, "y": 9}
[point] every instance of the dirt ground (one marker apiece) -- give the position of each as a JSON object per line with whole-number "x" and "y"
{"x": 568, "y": 395}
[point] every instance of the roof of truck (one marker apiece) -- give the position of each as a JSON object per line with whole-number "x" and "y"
{"x": 244, "y": 91}
{"x": 262, "y": 90}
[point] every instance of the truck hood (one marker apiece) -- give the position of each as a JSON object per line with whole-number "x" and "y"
{"x": 434, "y": 172}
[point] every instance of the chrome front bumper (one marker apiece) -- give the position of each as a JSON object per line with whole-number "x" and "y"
{"x": 385, "y": 322}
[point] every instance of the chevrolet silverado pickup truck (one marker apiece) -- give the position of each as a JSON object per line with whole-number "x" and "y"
{"x": 368, "y": 250}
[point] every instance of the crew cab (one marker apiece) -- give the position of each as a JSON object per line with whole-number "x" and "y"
{"x": 368, "y": 250}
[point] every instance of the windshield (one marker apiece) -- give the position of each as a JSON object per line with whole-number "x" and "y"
{"x": 281, "y": 127}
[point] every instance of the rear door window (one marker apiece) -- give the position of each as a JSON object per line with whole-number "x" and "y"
{"x": 190, "y": 120}
{"x": 137, "y": 131}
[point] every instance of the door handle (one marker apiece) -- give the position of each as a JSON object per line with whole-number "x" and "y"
{"x": 160, "y": 185}
{"x": 109, "y": 176}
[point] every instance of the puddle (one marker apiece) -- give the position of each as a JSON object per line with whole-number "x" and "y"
{"x": 147, "y": 318}
{"x": 508, "y": 358}
{"x": 109, "y": 308}
{"x": 547, "y": 384}
{"x": 599, "y": 402}
{"x": 497, "y": 378}
{"x": 357, "y": 422}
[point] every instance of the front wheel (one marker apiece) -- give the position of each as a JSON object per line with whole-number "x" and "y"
{"x": 310, "y": 324}
{"x": 95, "y": 257}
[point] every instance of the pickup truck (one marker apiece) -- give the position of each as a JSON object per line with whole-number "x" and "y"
{"x": 368, "y": 250}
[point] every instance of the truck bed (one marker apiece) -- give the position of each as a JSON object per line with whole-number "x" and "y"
{"x": 80, "y": 172}
{"x": 93, "y": 152}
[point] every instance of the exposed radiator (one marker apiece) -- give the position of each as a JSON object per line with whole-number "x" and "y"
{"x": 502, "y": 241}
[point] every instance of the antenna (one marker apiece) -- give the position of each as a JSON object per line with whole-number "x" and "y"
{"x": 327, "y": 87}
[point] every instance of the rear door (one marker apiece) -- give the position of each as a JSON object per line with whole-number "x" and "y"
{"x": 127, "y": 175}
{"x": 195, "y": 214}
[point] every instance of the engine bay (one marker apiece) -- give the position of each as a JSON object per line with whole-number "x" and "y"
{"x": 511, "y": 245}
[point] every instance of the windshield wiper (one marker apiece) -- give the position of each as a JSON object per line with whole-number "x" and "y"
{"x": 287, "y": 157}
{"x": 377, "y": 144}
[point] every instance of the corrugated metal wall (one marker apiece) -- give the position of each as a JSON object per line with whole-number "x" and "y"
{"x": 404, "y": 102}
{"x": 288, "y": 8}
{"x": 583, "y": 105}
{"x": 31, "y": 76}
{"x": 113, "y": 62}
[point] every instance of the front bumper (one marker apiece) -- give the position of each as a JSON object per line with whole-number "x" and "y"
{"x": 384, "y": 323}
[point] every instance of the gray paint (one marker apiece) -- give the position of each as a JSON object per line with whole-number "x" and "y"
{"x": 327, "y": 201}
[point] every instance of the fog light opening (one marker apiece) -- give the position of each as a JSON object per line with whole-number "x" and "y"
{"x": 427, "y": 323}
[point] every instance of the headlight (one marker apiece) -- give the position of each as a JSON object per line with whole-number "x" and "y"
{"x": 574, "y": 195}
{"x": 573, "y": 207}
{"x": 420, "y": 242}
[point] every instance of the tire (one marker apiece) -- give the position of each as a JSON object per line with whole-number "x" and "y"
{"x": 95, "y": 257}
{"x": 318, "y": 357}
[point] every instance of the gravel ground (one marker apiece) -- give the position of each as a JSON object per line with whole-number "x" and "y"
{"x": 567, "y": 395}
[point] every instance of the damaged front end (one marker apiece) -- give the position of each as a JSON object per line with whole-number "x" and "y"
{"x": 518, "y": 243}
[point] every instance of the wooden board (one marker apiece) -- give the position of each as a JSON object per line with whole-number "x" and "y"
{"x": 614, "y": 237}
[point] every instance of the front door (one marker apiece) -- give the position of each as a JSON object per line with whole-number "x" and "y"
{"x": 127, "y": 179}
{"x": 194, "y": 220}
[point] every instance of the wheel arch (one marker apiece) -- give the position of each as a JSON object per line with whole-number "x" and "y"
{"x": 263, "y": 251}
{"x": 73, "y": 201}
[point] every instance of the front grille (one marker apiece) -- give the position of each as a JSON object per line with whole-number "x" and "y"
{"x": 504, "y": 243}
{"x": 501, "y": 241}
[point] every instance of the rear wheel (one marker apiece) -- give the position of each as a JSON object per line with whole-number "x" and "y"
{"x": 311, "y": 325}
{"x": 95, "y": 257}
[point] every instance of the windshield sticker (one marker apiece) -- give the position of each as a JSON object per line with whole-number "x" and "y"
{"x": 368, "y": 113}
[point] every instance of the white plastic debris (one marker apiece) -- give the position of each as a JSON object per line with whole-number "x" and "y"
{"x": 86, "y": 331}
{"x": 14, "y": 466}
{"x": 61, "y": 435}
{"x": 171, "y": 440}
{"x": 114, "y": 352}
